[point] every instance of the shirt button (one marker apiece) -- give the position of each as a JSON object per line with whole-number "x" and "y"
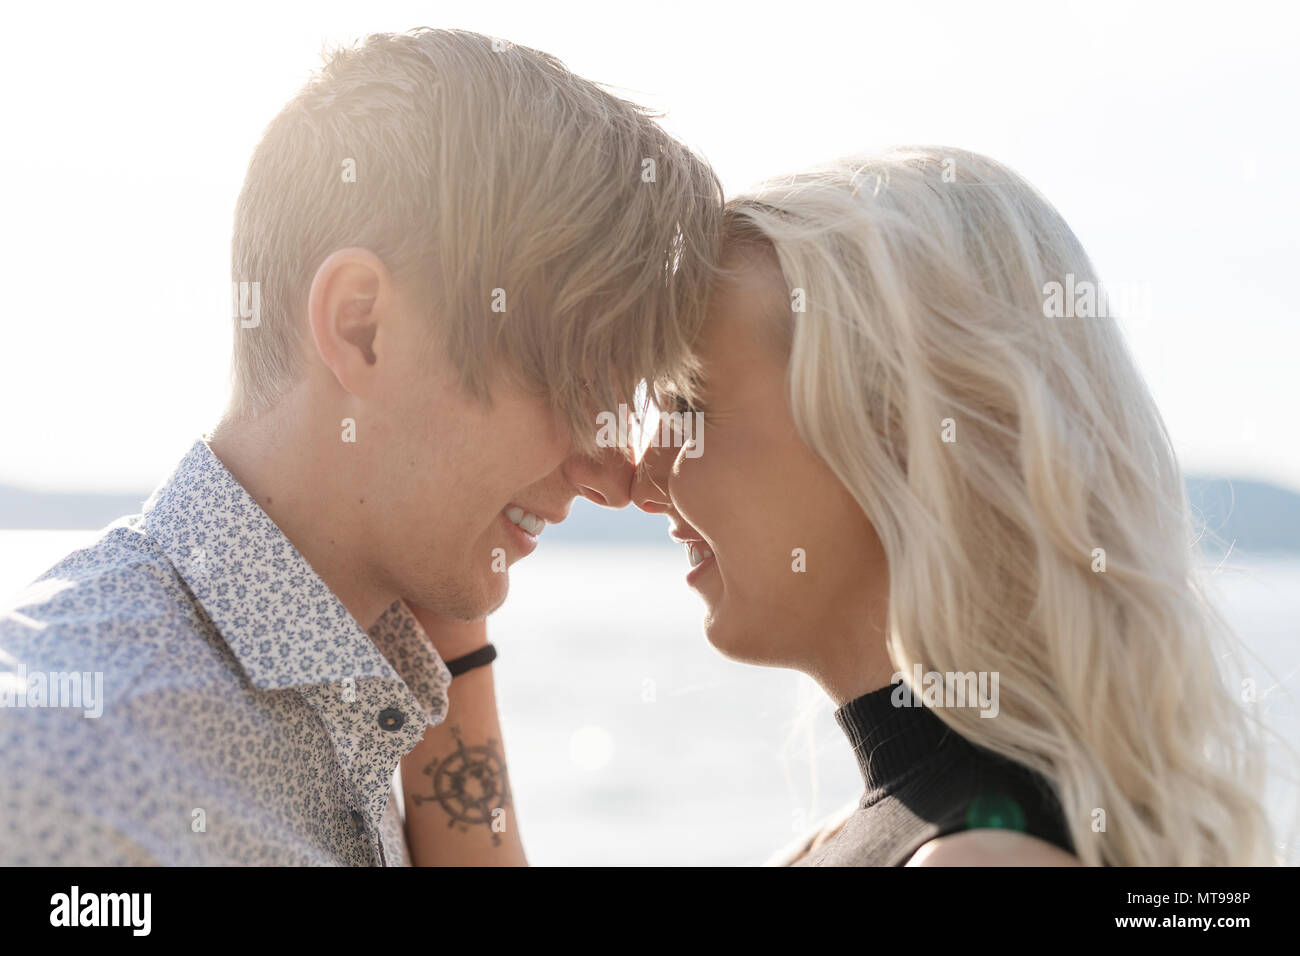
{"x": 391, "y": 719}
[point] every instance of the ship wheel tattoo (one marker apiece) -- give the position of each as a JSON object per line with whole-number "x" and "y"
{"x": 469, "y": 785}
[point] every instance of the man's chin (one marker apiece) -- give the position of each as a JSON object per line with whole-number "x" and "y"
{"x": 468, "y": 600}
{"x": 490, "y": 594}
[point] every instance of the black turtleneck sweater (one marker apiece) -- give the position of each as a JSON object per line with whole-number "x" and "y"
{"x": 924, "y": 781}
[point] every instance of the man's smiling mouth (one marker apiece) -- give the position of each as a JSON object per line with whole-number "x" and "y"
{"x": 530, "y": 522}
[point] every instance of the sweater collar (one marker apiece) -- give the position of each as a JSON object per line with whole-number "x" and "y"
{"x": 890, "y": 733}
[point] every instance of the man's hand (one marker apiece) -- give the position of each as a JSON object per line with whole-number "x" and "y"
{"x": 459, "y": 809}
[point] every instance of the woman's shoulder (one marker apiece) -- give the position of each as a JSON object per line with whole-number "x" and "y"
{"x": 990, "y": 847}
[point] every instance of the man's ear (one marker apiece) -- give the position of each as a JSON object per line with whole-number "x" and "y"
{"x": 351, "y": 295}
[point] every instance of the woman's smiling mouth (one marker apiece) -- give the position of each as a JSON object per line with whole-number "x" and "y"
{"x": 697, "y": 552}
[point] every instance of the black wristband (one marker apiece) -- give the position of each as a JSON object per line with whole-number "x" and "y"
{"x": 484, "y": 655}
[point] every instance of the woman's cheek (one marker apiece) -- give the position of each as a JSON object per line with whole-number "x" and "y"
{"x": 689, "y": 491}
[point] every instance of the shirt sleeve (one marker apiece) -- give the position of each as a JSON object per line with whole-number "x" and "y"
{"x": 47, "y": 819}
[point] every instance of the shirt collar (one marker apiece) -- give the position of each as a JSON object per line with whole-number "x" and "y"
{"x": 281, "y": 621}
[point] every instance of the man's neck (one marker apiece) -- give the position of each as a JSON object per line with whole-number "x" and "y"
{"x": 300, "y": 486}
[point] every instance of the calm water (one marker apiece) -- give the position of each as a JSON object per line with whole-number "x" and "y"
{"x": 631, "y": 741}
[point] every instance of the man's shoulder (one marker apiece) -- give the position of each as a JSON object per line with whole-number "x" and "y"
{"x": 77, "y": 647}
{"x": 101, "y": 607}
{"x": 121, "y": 574}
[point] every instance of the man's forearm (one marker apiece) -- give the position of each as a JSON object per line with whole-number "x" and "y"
{"x": 459, "y": 809}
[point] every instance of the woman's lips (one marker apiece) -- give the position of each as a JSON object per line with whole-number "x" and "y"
{"x": 701, "y": 557}
{"x": 701, "y": 569}
{"x": 697, "y": 552}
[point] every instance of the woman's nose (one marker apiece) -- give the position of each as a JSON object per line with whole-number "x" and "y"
{"x": 649, "y": 490}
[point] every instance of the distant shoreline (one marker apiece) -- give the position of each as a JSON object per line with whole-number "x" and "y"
{"x": 1239, "y": 514}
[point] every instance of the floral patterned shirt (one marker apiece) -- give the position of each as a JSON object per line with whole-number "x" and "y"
{"x": 187, "y": 691}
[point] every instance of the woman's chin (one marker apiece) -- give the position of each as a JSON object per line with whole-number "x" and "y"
{"x": 752, "y": 639}
{"x": 732, "y": 627}
{"x": 735, "y": 643}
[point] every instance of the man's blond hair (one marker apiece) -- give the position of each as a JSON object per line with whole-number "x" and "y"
{"x": 550, "y": 224}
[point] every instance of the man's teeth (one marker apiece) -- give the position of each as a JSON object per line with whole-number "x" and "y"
{"x": 698, "y": 553}
{"x": 526, "y": 520}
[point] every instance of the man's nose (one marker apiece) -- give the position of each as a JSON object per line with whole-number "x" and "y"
{"x": 604, "y": 479}
{"x": 649, "y": 488}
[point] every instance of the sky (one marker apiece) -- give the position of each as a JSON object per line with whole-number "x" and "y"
{"x": 1165, "y": 134}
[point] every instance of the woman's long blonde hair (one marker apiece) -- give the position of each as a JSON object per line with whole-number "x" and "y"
{"x": 1005, "y": 458}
